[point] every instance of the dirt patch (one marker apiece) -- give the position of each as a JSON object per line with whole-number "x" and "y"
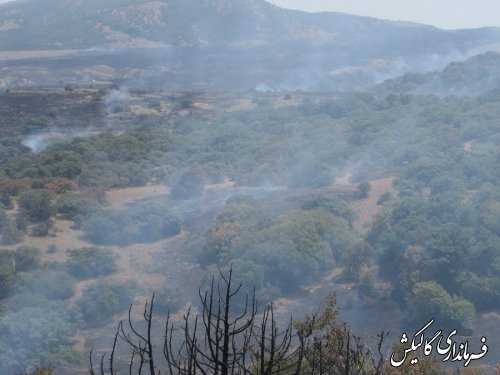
{"x": 119, "y": 198}
{"x": 367, "y": 209}
{"x": 239, "y": 105}
{"x": 225, "y": 184}
{"x": 326, "y": 281}
{"x": 287, "y": 101}
{"x": 17, "y": 55}
{"x": 64, "y": 238}
{"x": 283, "y": 306}
{"x": 142, "y": 110}
{"x": 79, "y": 287}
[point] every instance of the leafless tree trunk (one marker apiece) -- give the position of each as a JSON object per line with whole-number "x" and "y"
{"x": 216, "y": 342}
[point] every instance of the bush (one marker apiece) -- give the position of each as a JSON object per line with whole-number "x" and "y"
{"x": 6, "y": 281}
{"x": 145, "y": 222}
{"x": 48, "y": 283}
{"x": 364, "y": 189}
{"x": 189, "y": 185}
{"x": 5, "y": 201}
{"x": 10, "y": 234}
{"x": 42, "y": 229}
{"x": 335, "y": 206}
{"x": 384, "y": 198}
{"x": 37, "y": 336}
{"x": 27, "y": 258}
{"x": 21, "y": 222}
{"x": 72, "y": 206}
{"x": 37, "y": 204}
{"x": 91, "y": 262}
{"x": 103, "y": 299}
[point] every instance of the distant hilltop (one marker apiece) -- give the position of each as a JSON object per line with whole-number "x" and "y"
{"x": 77, "y": 24}
{"x": 217, "y": 45}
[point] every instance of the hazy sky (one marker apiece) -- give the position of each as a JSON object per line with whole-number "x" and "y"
{"x": 447, "y": 14}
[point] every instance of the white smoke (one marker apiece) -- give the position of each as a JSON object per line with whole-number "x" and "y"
{"x": 40, "y": 141}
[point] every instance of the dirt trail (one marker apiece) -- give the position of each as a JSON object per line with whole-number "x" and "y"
{"x": 119, "y": 198}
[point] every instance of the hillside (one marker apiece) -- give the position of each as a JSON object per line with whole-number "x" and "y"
{"x": 76, "y": 24}
{"x": 474, "y": 76}
{"x": 216, "y": 45}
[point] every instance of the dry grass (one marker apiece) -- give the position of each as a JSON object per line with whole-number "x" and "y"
{"x": 119, "y": 198}
{"x": 17, "y": 55}
{"x": 367, "y": 209}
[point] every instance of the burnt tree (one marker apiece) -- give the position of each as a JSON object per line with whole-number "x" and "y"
{"x": 215, "y": 342}
{"x": 219, "y": 341}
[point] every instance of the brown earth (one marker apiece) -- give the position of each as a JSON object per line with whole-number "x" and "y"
{"x": 139, "y": 262}
{"x": 366, "y": 210}
{"x": 119, "y": 198}
{"x": 17, "y": 55}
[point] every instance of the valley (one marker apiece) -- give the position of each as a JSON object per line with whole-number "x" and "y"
{"x": 154, "y": 146}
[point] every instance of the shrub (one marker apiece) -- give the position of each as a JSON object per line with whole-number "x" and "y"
{"x": 10, "y": 234}
{"x": 103, "y": 299}
{"x": 91, "y": 262}
{"x": 145, "y": 222}
{"x": 27, "y": 258}
{"x": 37, "y": 336}
{"x": 75, "y": 207}
{"x": 49, "y": 283}
{"x": 37, "y": 204}
{"x": 335, "y": 206}
{"x": 384, "y": 198}
{"x": 189, "y": 185}
{"x": 42, "y": 229}
{"x": 364, "y": 189}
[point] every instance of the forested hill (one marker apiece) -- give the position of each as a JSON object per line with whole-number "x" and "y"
{"x": 217, "y": 45}
{"x": 474, "y": 76}
{"x": 76, "y": 24}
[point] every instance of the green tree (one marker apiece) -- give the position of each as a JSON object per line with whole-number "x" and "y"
{"x": 37, "y": 204}
{"x": 430, "y": 300}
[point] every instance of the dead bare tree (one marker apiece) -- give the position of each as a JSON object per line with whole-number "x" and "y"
{"x": 273, "y": 352}
{"x": 225, "y": 345}
{"x": 216, "y": 342}
{"x": 220, "y": 341}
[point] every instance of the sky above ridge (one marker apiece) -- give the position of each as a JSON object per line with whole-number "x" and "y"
{"x": 446, "y": 14}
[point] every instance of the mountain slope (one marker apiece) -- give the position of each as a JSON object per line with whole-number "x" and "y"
{"x": 77, "y": 24}
{"x": 474, "y": 76}
{"x": 219, "y": 45}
